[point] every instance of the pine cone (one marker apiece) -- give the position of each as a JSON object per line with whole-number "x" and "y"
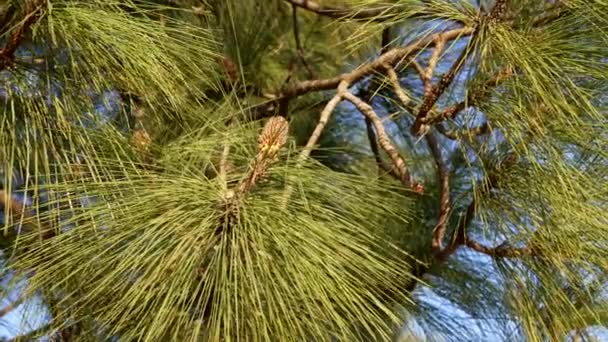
{"x": 274, "y": 135}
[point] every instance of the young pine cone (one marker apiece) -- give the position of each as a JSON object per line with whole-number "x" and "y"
{"x": 273, "y": 136}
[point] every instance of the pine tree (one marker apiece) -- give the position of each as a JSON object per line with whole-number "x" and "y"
{"x": 219, "y": 170}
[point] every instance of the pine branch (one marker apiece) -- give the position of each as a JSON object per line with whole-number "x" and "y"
{"x": 368, "y": 96}
{"x": 373, "y": 144}
{"x": 323, "y": 119}
{"x": 316, "y": 134}
{"x": 432, "y": 94}
{"x": 390, "y": 58}
{"x": 443, "y": 179}
{"x": 473, "y": 98}
{"x": 427, "y": 74}
{"x": 459, "y": 236}
{"x": 383, "y": 139}
{"x": 394, "y": 81}
{"x": 503, "y": 250}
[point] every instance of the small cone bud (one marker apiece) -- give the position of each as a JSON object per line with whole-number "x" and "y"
{"x": 274, "y": 135}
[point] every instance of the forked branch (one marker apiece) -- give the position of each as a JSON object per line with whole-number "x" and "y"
{"x": 383, "y": 139}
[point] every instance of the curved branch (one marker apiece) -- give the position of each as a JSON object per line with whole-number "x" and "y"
{"x": 389, "y": 58}
{"x": 323, "y": 119}
{"x": 394, "y": 81}
{"x": 432, "y": 95}
{"x": 373, "y": 145}
{"x": 383, "y": 139}
{"x": 443, "y": 178}
{"x": 316, "y": 134}
{"x": 473, "y": 98}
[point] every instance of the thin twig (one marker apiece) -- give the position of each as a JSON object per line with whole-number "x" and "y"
{"x": 323, "y": 119}
{"x": 427, "y": 78}
{"x": 459, "y": 236}
{"x": 390, "y": 58}
{"x": 503, "y": 250}
{"x": 368, "y": 96}
{"x": 431, "y": 97}
{"x": 316, "y": 134}
{"x": 373, "y": 144}
{"x": 473, "y": 97}
{"x": 393, "y": 79}
{"x": 443, "y": 179}
{"x": 383, "y": 139}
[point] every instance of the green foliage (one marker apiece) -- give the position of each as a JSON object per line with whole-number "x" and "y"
{"x": 172, "y": 221}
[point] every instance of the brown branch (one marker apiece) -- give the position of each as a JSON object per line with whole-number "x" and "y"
{"x": 459, "y": 236}
{"x": 383, "y": 139}
{"x": 389, "y": 58}
{"x": 443, "y": 179}
{"x": 323, "y": 119}
{"x": 418, "y": 68}
{"x": 368, "y": 95}
{"x": 373, "y": 145}
{"x": 316, "y": 134}
{"x": 427, "y": 74}
{"x": 394, "y": 81}
{"x": 431, "y": 97}
{"x": 7, "y": 53}
{"x": 473, "y": 97}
